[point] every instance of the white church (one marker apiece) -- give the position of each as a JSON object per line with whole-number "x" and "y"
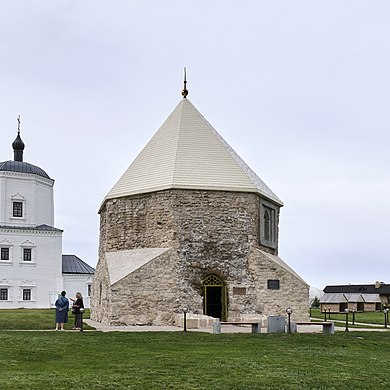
{"x": 33, "y": 270}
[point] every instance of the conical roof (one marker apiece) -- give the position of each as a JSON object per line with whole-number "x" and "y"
{"x": 188, "y": 153}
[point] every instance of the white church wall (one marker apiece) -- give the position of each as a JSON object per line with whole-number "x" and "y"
{"x": 42, "y": 275}
{"x": 34, "y": 192}
{"x": 74, "y": 283}
{"x": 44, "y": 204}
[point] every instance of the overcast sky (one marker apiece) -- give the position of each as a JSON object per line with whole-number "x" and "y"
{"x": 300, "y": 90}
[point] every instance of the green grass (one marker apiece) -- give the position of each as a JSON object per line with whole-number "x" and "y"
{"x": 367, "y": 317}
{"x": 33, "y": 319}
{"x": 192, "y": 360}
{"x": 174, "y": 360}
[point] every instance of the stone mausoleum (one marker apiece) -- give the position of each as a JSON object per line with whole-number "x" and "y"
{"x": 190, "y": 226}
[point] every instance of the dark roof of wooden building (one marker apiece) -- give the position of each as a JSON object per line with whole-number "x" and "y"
{"x": 381, "y": 288}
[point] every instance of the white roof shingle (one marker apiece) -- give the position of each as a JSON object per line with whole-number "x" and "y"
{"x": 188, "y": 153}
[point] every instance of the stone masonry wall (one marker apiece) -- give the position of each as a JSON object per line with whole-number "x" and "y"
{"x": 292, "y": 292}
{"x": 196, "y": 220}
{"x": 149, "y": 295}
{"x": 100, "y": 293}
{"x": 210, "y": 232}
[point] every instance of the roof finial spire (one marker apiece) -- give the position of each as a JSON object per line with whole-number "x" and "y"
{"x": 184, "y": 92}
{"x": 18, "y": 119}
{"x": 18, "y": 145}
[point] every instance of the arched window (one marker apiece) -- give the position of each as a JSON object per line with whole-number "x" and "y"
{"x": 267, "y": 226}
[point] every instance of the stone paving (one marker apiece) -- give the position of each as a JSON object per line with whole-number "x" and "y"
{"x": 226, "y": 328}
{"x": 145, "y": 328}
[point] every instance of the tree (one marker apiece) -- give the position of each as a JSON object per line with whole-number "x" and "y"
{"x": 315, "y": 303}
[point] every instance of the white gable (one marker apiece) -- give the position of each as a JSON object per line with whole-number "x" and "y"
{"x": 123, "y": 263}
{"x": 188, "y": 153}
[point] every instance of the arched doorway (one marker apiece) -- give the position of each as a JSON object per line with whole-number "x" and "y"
{"x": 214, "y": 297}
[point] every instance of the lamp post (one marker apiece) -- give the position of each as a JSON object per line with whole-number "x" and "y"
{"x": 325, "y": 313}
{"x": 289, "y": 312}
{"x": 329, "y": 313}
{"x": 385, "y": 311}
{"x": 353, "y": 316}
{"x": 185, "y": 311}
{"x": 346, "y": 320}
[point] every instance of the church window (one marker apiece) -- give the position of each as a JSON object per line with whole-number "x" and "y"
{"x": 89, "y": 289}
{"x": 17, "y": 209}
{"x": 5, "y": 254}
{"x": 273, "y": 284}
{"x": 27, "y": 254}
{"x": 3, "y": 294}
{"x": 26, "y": 294}
{"x": 268, "y": 224}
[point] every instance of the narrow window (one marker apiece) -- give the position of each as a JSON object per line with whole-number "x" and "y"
{"x": 26, "y": 294}
{"x": 273, "y": 226}
{"x": 4, "y": 253}
{"x": 89, "y": 290}
{"x": 3, "y": 294}
{"x": 267, "y": 226}
{"x": 18, "y": 209}
{"x": 27, "y": 254}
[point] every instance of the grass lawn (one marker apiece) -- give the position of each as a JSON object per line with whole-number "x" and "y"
{"x": 94, "y": 360}
{"x": 33, "y": 319}
{"x": 177, "y": 360}
{"x": 367, "y": 317}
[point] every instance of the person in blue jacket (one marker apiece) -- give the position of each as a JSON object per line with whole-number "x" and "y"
{"x": 62, "y": 307}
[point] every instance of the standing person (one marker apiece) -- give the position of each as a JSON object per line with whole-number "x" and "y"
{"x": 62, "y": 307}
{"x": 78, "y": 309}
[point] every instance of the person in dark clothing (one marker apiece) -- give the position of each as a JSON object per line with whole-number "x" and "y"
{"x": 78, "y": 310}
{"x": 62, "y": 307}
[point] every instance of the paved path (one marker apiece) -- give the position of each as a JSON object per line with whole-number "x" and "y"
{"x": 226, "y": 328}
{"x": 146, "y": 328}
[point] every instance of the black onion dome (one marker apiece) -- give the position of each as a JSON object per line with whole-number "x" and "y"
{"x": 23, "y": 167}
{"x": 18, "y": 144}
